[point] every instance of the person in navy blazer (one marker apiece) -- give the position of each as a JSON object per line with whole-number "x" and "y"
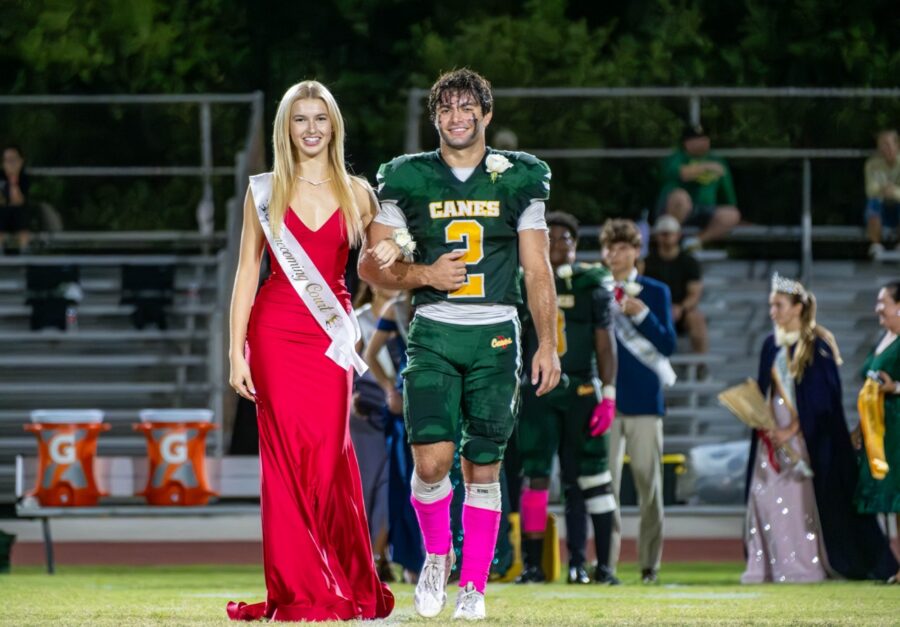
{"x": 645, "y": 337}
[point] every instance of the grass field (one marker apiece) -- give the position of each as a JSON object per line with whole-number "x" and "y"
{"x": 690, "y": 594}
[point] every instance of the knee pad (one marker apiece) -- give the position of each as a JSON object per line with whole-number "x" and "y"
{"x": 484, "y": 496}
{"x": 597, "y": 491}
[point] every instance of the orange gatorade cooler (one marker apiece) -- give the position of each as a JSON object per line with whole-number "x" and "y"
{"x": 176, "y": 448}
{"x": 67, "y": 444}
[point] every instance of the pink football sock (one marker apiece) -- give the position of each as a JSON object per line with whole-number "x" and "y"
{"x": 480, "y": 528}
{"x": 434, "y": 522}
{"x": 534, "y": 510}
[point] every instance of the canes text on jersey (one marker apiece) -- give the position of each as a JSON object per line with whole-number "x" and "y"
{"x": 464, "y": 209}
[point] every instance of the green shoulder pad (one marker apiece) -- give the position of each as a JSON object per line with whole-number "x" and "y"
{"x": 529, "y": 174}
{"x": 401, "y": 174}
{"x": 589, "y": 276}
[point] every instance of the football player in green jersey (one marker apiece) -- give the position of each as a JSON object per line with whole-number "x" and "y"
{"x": 572, "y": 419}
{"x": 473, "y": 215}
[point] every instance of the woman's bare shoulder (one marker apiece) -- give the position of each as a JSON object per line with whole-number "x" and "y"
{"x": 363, "y": 194}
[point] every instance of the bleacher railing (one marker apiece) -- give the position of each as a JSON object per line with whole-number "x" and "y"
{"x": 249, "y": 160}
{"x": 694, "y": 97}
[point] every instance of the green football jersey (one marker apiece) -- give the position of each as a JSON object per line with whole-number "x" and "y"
{"x": 479, "y": 215}
{"x": 583, "y": 305}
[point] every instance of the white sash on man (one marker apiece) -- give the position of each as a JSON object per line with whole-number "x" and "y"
{"x": 311, "y": 287}
{"x": 642, "y": 348}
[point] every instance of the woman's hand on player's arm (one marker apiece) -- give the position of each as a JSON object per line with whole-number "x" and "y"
{"x": 384, "y": 251}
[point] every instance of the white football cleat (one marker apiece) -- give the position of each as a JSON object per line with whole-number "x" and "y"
{"x": 469, "y": 604}
{"x": 431, "y": 590}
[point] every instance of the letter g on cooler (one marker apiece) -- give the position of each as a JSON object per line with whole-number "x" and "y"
{"x": 62, "y": 448}
{"x": 173, "y": 447}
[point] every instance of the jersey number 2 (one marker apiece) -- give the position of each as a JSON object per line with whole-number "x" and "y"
{"x": 471, "y": 233}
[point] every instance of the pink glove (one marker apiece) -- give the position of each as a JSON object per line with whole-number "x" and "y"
{"x": 602, "y": 418}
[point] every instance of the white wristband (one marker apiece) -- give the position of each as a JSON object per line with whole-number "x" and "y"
{"x": 609, "y": 391}
{"x": 896, "y": 387}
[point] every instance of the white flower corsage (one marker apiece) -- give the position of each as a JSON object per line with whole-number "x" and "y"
{"x": 565, "y": 273}
{"x": 404, "y": 241}
{"x": 496, "y": 165}
{"x": 632, "y": 288}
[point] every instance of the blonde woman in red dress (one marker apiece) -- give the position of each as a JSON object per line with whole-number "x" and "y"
{"x": 292, "y": 354}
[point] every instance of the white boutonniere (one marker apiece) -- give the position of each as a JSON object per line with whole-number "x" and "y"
{"x": 632, "y": 288}
{"x": 565, "y": 273}
{"x": 496, "y": 165}
{"x": 404, "y": 241}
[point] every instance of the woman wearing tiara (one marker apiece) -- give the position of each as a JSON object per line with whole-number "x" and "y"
{"x": 801, "y": 522}
{"x": 298, "y": 338}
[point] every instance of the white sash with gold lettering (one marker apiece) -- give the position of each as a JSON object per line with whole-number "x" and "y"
{"x": 341, "y": 326}
{"x": 642, "y": 349}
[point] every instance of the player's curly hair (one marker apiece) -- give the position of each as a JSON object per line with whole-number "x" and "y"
{"x": 461, "y": 81}
{"x": 619, "y": 230}
{"x": 565, "y": 220}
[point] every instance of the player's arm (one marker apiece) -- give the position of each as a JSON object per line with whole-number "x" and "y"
{"x": 607, "y": 361}
{"x": 604, "y": 339}
{"x": 534, "y": 249}
{"x": 445, "y": 274}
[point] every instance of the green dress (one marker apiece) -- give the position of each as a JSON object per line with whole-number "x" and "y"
{"x": 874, "y": 496}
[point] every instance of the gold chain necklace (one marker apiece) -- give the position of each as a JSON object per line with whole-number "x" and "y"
{"x": 313, "y": 183}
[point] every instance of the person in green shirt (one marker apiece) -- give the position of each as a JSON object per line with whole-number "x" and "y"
{"x": 697, "y": 189}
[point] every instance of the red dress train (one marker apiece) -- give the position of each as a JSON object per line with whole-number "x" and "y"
{"x": 316, "y": 549}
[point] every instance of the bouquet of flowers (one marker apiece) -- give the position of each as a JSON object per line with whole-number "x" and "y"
{"x": 747, "y": 403}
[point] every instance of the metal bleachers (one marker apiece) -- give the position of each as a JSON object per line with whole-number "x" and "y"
{"x": 106, "y": 363}
{"x": 110, "y": 365}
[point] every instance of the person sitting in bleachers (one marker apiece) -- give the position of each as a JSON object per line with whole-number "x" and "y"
{"x": 882, "y": 173}
{"x": 14, "y": 199}
{"x": 680, "y": 270}
{"x": 697, "y": 189}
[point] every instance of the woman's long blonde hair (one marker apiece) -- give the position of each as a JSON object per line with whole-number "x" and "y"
{"x": 286, "y": 158}
{"x": 804, "y": 351}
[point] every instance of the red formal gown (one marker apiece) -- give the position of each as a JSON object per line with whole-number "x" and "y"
{"x": 316, "y": 549}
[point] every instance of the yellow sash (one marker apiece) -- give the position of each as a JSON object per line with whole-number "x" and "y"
{"x": 871, "y": 422}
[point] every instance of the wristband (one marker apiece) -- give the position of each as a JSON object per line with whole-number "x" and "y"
{"x": 608, "y": 391}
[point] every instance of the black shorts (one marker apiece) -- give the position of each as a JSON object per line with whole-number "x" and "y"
{"x": 700, "y": 216}
{"x": 13, "y": 219}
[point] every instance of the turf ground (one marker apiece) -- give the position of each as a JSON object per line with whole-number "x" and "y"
{"x": 689, "y": 594}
